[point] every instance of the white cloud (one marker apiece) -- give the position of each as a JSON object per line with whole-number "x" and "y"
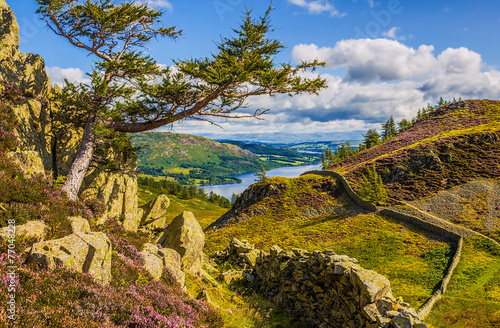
{"x": 370, "y": 60}
{"x": 58, "y": 74}
{"x": 317, "y": 7}
{"x": 383, "y": 78}
{"x": 159, "y": 4}
{"x": 392, "y": 34}
{"x": 371, "y": 3}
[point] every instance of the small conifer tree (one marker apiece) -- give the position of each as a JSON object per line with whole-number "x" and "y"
{"x": 389, "y": 129}
{"x": 261, "y": 176}
{"x": 372, "y": 188}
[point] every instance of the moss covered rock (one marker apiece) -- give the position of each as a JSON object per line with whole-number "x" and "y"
{"x": 88, "y": 253}
{"x": 185, "y": 236}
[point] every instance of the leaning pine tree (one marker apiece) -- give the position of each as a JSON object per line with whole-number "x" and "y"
{"x": 130, "y": 92}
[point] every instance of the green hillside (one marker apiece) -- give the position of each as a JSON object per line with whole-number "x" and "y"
{"x": 457, "y": 143}
{"x": 198, "y": 160}
{"x": 456, "y": 149}
{"x": 312, "y": 212}
{"x": 320, "y": 146}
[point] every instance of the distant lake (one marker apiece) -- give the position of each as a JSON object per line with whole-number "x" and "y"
{"x": 247, "y": 179}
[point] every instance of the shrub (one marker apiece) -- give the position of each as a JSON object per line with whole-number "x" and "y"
{"x": 372, "y": 188}
{"x": 65, "y": 298}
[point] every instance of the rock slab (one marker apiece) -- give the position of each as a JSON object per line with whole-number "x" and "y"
{"x": 185, "y": 236}
{"x": 87, "y": 253}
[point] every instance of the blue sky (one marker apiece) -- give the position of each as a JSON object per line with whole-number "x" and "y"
{"x": 384, "y": 58}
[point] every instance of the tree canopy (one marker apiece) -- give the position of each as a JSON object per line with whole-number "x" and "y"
{"x": 129, "y": 91}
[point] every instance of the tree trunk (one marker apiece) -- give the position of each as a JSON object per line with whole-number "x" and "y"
{"x": 82, "y": 160}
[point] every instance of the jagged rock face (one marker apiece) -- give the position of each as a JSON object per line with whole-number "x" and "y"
{"x": 57, "y": 147}
{"x": 25, "y": 70}
{"x": 185, "y": 236}
{"x": 88, "y": 253}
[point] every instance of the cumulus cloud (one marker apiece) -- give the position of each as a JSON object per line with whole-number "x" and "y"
{"x": 317, "y": 7}
{"x": 159, "y": 4}
{"x": 382, "y": 78}
{"x": 369, "y": 60}
{"x": 459, "y": 71}
{"x": 58, "y": 74}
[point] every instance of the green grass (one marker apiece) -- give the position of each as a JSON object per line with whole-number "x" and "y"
{"x": 240, "y": 306}
{"x": 381, "y": 244}
{"x": 473, "y": 296}
{"x": 204, "y": 211}
{"x": 179, "y": 170}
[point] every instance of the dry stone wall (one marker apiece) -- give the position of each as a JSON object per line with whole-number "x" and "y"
{"x": 434, "y": 225}
{"x": 322, "y": 288}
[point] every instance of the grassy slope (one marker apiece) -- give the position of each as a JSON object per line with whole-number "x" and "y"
{"x": 170, "y": 150}
{"x": 456, "y": 144}
{"x": 397, "y": 251}
{"x": 204, "y": 211}
{"x": 413, "y": 260}
{"x": 473, "y": 296}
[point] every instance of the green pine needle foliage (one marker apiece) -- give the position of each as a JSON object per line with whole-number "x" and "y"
{"x": 372, "y": 188}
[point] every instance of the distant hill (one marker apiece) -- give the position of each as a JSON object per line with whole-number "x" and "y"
{"x": 272, "y": 152}
{"x": 194, "y": 159}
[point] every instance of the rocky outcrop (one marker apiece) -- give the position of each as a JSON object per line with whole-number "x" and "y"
{"x": 117, "y": 190}
{"x": 28, "y": 161}
{"x": 323, "y": 288}
{"x": 243, "y": 210}
{"x": 39, "y": 131}
{"x": 79, "y": 225}
{"x": 154, "y": 209}
{"x": 185, "y": 235}
{"x": 151, "y": 213}
{"x": 153, "y": 263}
{"x": 25, "y": 70}
{"x": 31, "y": 229}
{"x": 156, "y": 259}
{"x": 27, "y": 73}
{"x": 88, "y": 253}
{"x": 172, "y": 261}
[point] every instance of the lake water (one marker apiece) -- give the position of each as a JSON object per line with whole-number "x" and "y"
{"x": 247, "y": 179}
